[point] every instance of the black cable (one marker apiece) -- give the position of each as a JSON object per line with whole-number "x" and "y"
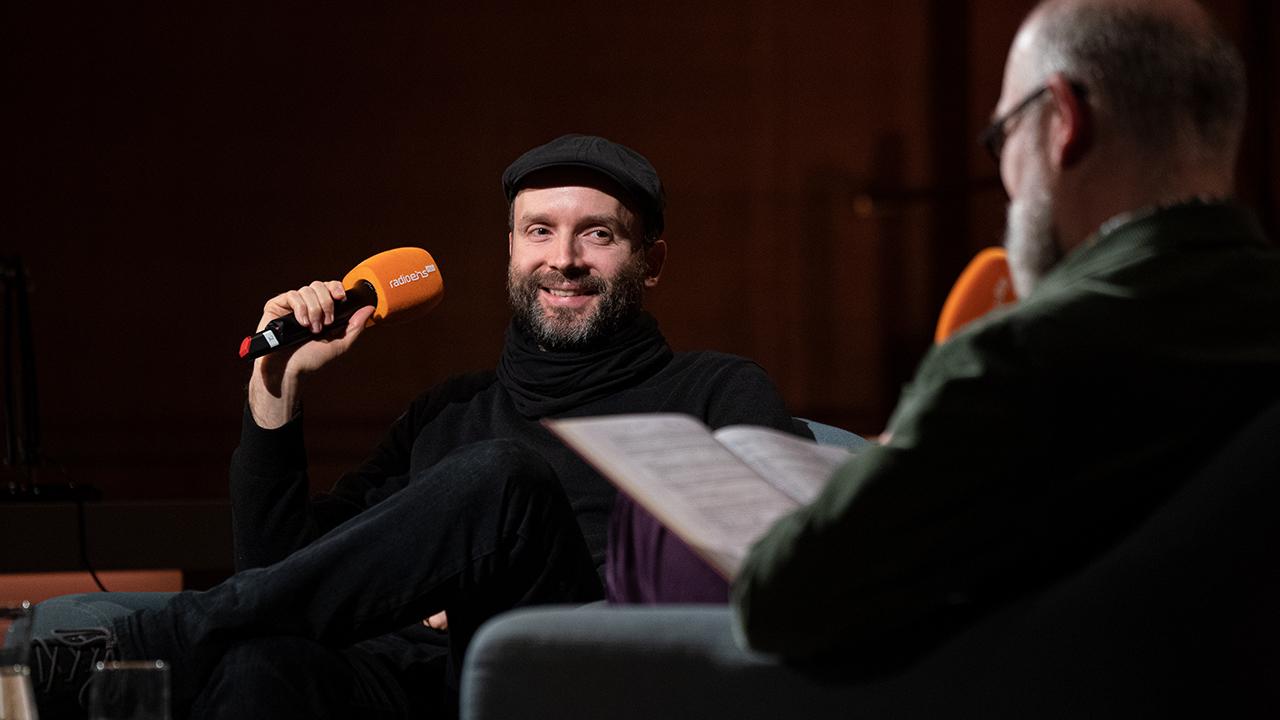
{"x": 82, "y": 537}
{"x": 82, "y": 532}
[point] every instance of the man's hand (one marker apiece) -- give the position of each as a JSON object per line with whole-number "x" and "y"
{"x": 439, "y": 621}
{"x": 274, "y": 391}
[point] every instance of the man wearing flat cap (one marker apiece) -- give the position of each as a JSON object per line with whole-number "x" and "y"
{"x": 468, "y": 506}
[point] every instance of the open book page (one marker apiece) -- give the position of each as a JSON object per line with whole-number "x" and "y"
{"x": 673, "y": 467}
{"x": 717, "y": 493}
{"x": 798, "y": 467}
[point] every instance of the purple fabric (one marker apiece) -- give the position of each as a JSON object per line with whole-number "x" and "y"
{"x": 648, "y": 565}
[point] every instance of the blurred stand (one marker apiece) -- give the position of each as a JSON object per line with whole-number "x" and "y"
{"x": 22, "y": 459}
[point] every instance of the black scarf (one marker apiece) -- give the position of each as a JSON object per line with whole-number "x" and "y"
{"x": 543, "y": 382}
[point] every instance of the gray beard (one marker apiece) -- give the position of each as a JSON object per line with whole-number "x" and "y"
{"x": 567, "y": 329}
{"x": 1030, "y": 240}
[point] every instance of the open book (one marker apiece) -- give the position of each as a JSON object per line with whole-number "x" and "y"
{"x": 718, "y": 491}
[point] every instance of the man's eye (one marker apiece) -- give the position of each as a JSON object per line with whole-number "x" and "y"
{"x": 539, "y": 230}
{"x": 600, "y": 235}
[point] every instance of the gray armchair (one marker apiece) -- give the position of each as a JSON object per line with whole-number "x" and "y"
{"x": 1180, "y": 619}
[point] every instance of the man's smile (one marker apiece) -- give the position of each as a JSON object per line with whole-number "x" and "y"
{"x": 567, "y": 296}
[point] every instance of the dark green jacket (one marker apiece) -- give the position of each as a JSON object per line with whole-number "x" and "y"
{"x": 1032, "y": 441}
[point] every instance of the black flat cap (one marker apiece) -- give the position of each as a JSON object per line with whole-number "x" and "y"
{"x": 626, "y": 167}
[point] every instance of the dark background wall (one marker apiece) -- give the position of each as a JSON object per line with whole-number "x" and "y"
{"x": 173, "y": 165}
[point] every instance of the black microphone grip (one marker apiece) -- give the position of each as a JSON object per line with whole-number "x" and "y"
{"x": 286, "y": 331}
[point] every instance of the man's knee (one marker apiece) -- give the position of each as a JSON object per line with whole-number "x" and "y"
{"x": 484, "y": 472}
{"x": 503, "y": 458}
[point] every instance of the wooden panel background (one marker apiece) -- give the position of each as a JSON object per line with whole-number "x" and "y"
{"x": 172, "y": 165}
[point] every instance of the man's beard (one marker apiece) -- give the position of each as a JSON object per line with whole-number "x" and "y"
{"x": 617, "y": 301}
{"x": 1031, "y": 239}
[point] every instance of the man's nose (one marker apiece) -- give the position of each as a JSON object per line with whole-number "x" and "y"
{"x": 566, "y": 254}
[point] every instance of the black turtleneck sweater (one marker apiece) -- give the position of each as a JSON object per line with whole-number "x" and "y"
{"x": 634, "y": 371}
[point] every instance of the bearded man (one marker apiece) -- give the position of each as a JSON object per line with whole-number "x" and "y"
{"x": 1147, "y": 335}
{"x": 467, "y": 508}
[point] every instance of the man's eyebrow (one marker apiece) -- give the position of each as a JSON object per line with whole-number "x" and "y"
{"x": 535, "y": 219}
{"x": 609, "y": 220}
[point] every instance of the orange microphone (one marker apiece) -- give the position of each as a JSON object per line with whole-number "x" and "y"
{"x": 400, "y": 284}
{"x": 984, "y": 286}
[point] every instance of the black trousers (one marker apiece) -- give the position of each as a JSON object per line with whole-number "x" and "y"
{"x": 334, "y": 630}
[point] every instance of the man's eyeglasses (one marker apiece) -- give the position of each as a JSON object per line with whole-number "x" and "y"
{"x": 994, "y": 137}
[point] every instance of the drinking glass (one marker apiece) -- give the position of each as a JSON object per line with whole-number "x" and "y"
{"x": 17, "y": 700}
{"x": 129, "y": 690}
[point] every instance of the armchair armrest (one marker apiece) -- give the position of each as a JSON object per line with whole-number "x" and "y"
{"x": 629, "y": 663}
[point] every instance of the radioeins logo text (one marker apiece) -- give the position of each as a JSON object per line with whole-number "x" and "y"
{"x": 414, "y": 276}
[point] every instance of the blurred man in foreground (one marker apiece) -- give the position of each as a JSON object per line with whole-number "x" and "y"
{"x": 1147, "y": 334}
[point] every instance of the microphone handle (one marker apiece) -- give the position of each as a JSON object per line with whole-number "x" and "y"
{"x": 286, "y": 331}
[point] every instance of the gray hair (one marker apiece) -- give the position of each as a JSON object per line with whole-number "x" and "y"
{"x": 1166, "y": 87}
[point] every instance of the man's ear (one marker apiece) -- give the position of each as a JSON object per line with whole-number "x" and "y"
{"x": 1071, "y": 127}
{"x": 655, "y": 256}
{"x": 510, "y": 241}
